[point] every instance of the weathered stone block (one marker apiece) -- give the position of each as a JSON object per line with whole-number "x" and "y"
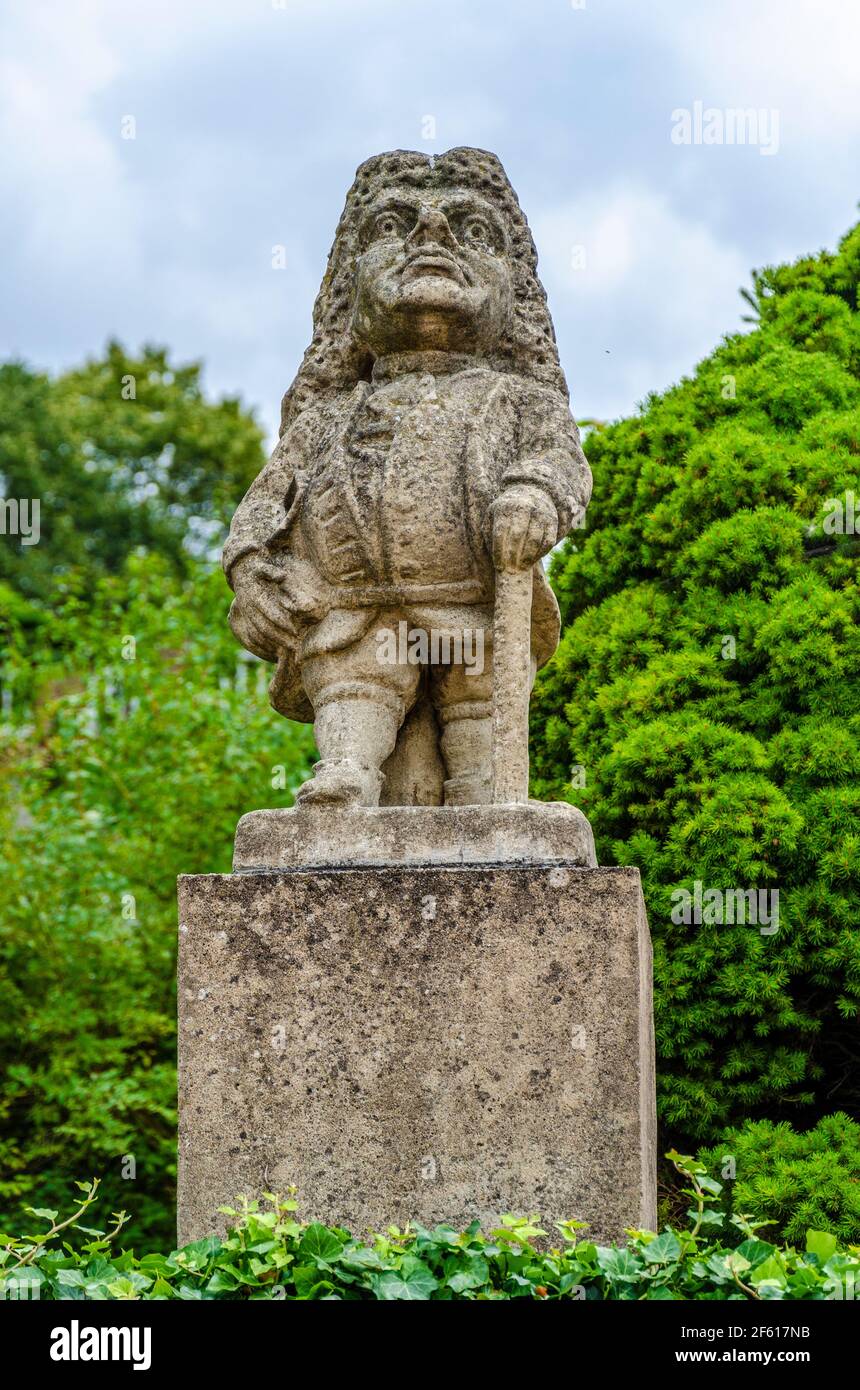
{"x": 439, "y": 1043}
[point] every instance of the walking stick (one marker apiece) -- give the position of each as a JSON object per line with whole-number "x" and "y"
{"x": 511, "y": 685}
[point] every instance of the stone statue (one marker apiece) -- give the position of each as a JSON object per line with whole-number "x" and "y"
{"x": 426, "y": 447}
{"x": 445, "y": 968}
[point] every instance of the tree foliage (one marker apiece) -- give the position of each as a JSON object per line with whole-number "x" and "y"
{"x": 793, "y": 1180}
{"x": 135, "y": 742}
{"x": 116, "y": 473}
{"x": 134, "y": 736}
{"x": 706, "y": 693}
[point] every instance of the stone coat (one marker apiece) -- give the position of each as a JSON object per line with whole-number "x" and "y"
{"x": 382, "y": 498}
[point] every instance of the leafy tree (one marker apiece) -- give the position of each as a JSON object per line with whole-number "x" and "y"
{"x": 123, "y": 454}
{"x": 130, "y": 750}
{"x": 706, "y": 693}
{"x": 135, "y": 739}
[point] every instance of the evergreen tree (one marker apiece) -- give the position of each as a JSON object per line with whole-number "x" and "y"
{"x": 704, "y": 706}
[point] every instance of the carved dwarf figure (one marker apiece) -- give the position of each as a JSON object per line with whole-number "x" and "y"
{"x": 426, "y": 442}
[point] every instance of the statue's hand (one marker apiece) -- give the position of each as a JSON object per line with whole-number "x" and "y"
{"x": 525, "y": 527}
{"x": 272, "y": 603}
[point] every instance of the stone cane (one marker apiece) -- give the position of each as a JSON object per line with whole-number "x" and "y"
{"x": 511, "y": 685}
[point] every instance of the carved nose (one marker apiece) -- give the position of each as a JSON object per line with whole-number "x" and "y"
{"x": 432, "y": 227}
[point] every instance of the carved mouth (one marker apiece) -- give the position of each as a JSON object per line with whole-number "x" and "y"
{"x": 436, "y": 263}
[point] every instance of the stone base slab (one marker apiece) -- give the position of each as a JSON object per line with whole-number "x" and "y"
{"x": 317, "y": 837}
{"x": 432, "y": 1043}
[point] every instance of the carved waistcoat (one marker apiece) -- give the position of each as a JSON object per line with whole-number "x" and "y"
{"x": 389, "y": 505}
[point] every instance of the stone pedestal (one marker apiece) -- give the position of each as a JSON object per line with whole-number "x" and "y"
{"x": 435, "y": 1042}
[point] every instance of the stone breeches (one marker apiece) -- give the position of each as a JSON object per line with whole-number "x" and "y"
{"x": 403, "y": 651}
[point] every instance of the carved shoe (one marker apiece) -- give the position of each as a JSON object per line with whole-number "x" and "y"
{"x": 341, "y": 782}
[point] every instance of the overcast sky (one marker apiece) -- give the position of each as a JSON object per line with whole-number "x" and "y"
{"x": 251, "y": 116}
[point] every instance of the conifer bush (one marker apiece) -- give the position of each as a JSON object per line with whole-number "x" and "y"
{"x": 704, "y": 705}
{"x": 792, "y": 1180}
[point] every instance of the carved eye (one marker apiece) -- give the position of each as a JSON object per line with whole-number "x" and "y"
{"x": 476, "y": 232}
{"x": 388, "y": 224}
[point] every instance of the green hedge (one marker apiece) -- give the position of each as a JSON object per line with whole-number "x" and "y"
{"x": 268, "y": 1254}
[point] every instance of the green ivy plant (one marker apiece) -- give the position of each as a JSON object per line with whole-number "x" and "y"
{"x": 268, "y": 1253}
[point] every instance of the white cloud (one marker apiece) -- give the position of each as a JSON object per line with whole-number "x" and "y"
{"x": 797, "y": 55}
{"x": 638, "y": 288}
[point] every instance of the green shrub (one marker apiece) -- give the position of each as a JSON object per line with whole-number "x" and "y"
{"x": 794, "y": 1180}
{"x": 703, "y": 707}
{"x": 268, "y": 1254}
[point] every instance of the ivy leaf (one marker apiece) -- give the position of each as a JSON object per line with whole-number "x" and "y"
{"x": 822, "y": 1244}
{"x": 412, "y": 1283}
{"x": 619, "y": 1264}
{"x": 665, "y": 1249}
{"x": 360, "y": 1257}
{"x": 222, "y": 1281}
{"x": 710, "y": 1185}
{"x": 318, "y": 1243}
{"x": 754, "y": 1250}
{"x": 122, "y": 1289}
{"x": 771, "y": 1272}
{"x": 470, "y": 1276}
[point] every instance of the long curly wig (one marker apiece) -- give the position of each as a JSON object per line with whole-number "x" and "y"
{"x": 335, "y": 362}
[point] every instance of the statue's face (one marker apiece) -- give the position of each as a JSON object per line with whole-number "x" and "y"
{"x": 433, "y": 272}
